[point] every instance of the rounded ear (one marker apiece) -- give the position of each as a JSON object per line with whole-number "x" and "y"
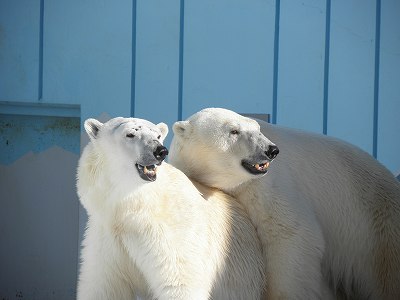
{"x": 163, "y": 128}
{"x": 92, "y": 127}
{"x": 182, "y": 128}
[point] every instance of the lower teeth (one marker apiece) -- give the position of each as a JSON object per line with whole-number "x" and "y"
{"x": 150, "y": 170}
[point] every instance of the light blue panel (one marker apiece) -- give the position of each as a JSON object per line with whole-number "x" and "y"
{"x": 39, "y": 207}
{"x": 157, "y": 61}
{"x": 351, "y": 76}
{"x": 389, "y": 86}
{"x": 19, "y": 49}
{"x": 228, "y": 55}
{"x": 87, "y": 55}
{"x": 301, "y": 64}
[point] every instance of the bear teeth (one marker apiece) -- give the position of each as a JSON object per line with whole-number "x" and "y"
{"x": 152, "y": 169}
{"x": 261, "y": 166}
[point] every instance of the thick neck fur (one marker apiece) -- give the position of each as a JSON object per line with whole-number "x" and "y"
{"x": 209, "y": 171}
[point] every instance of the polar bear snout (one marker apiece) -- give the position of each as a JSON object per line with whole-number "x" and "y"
{"x": 160, "y": 153}
{"x": 272, "y": 152}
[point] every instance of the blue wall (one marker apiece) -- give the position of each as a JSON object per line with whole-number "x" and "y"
{"x": 326, "y": 66}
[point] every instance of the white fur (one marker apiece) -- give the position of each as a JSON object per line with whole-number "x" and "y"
{"x": 160, "y": 239}
{"x": 323, "y": 203}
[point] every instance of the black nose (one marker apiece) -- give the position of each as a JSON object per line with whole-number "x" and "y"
{"x": 272, "y": 152}
{"x": 160, "y": 153}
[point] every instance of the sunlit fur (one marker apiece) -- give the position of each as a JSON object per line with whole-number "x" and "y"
{"x": 161, "y": 239}
{"x": 323, "y": 203}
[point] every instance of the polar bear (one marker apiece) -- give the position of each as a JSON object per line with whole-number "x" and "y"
{"x": 151, "y": 233}
{"x": 325, "y": 205}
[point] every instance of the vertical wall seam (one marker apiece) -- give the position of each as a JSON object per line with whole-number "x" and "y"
{"x": 275, "y": 67}
{"x": 40, "y": 78}
{"x": 181, "y": 40}
{"x": 376, "y": 77}
{"x": 326, "y": 66}
{"x": 133, "y": 66}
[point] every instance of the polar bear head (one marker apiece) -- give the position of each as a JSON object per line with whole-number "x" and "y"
{"x": 221, "y": 148}
{"x": 129, "y": 149}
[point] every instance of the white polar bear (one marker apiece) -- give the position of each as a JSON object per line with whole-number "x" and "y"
{"x": 319, "y": 191}
{"x": 150, "y": 232}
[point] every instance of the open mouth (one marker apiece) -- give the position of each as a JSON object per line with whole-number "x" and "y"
{"x": 148, "y": 173}
{"x": 258, "y": 168}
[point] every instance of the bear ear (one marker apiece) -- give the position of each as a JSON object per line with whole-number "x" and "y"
{"x": 92, "y": 127}
{"x": 182, "y": 128}
{"x": 164, "y": 130}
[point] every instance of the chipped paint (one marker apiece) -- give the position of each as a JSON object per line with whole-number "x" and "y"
{"x": 20, "y": 134}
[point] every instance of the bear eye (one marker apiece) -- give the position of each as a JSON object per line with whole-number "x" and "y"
{"x": 159, "y": 137}
{"x": 130, "y": 135}
{"x": 234, "y": 131}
